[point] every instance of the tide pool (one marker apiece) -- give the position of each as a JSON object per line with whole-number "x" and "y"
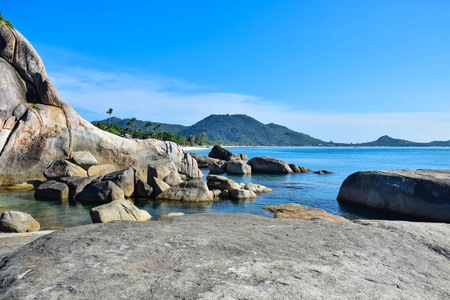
{"x": 313, "y": 190}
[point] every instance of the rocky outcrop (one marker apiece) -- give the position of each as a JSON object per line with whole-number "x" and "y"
{"x": 238, "y": 167}
{"x": 16, "y": 221}
{"x": 221, "y": 183}
{"x": 116, "y": 210}
{"x": 63, "y": 168}
{"x": 416, "y": 193}
{"x": 301, "y": 212}
{"x": 203, "y": 161}
{"x": 52, "y": 190}
{"x": 269, "y": 165}
{"x": 257, "y": 188}
{"x": 40, "y": 128}
{"x": 323, "y": 172}
{"x": 193, "y": 191}
{"x": 297, "y": 169}
{"x": 233, "y": 256}
{"x": 222, "y": 154}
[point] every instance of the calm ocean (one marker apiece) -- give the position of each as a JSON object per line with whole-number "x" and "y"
{"x": 313, "y": 190}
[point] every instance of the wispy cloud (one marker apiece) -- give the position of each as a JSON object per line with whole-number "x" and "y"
{"x": 172, "y": 100}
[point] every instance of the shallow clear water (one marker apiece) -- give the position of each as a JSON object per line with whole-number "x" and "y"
{"x": 309, "y": 189}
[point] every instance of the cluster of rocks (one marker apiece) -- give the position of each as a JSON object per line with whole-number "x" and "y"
{"x": 228, "y": 189}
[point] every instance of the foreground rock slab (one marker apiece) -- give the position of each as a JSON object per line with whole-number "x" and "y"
{"x": 418, "y": 193}
{"x": 194, "y": 257}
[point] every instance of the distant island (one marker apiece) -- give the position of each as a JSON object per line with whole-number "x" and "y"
{"x": 243, "y": 130}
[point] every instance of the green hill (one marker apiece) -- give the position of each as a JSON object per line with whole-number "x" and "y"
{"x": 387, "y": 141}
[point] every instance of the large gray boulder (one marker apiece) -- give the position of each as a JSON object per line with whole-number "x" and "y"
{"x": 203, "y": 161}
{"x": 158, "y": 185}
{"x": 117, "y": 210}
{"x": 45, "y": 129}
{"x": 238, "y": 167}
{"x": 123, "y": 179}
{"x": 63, "y": 168}
{"x": 416, "y": 193}
{"x": 265, "y": 164}
{"x": 52, "y": 190}
{"x": 100, "y": 192}
{"x": 192, "y": 191}
{"x": 238, "y": 194}
{"x": 218, "y": 167}
{"x": 222, "y": 154}
{"x": 84, "y": 159}
{"x": 17, "y": 221}
{"x": 76, "y": 185}
{"x": 221, "y": 183}
{"x": 233, "y": 256}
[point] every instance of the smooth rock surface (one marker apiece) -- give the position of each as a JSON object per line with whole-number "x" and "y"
{"x": 222, "y": 154}
{"x": 265, "y": 164}
{"x": 142, "y": 189}
{"x": 297, "y": 169}
{"x": 238, "y": 167}
{"x": 257, "y": 188}
{"x": 233, "y": 256}
{"x": 101, "y": 170}
{"x": 203, "y": 161}
{"x": 221, "y": 183}
{"x": 218, "y": 167}
{"x": 63, "y": 168}
{"x": 192, "y": 191}
{"x": 123, "y": 179}
{"x": 238, "y": 194}
{"x": 421, "y": 193}
{"x": 17, "y": 221}
{"x": 116, "y": 210}
{"x": 158, "y": 186}
{"x": 52, "y": 190}
{"x": 100, "y": 192}
{"x": 84, "y": 159}
{"x": 301, "y": 212}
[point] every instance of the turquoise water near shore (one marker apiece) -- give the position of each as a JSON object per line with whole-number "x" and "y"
{"x": 314, "y": 190}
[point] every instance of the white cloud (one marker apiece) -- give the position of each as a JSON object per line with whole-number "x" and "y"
{"x": 169, "y": 100}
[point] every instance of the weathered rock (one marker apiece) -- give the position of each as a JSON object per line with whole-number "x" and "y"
{"x": 233, "y": 256}
{"x": 101, "y": 170}
{"x": 173, "y": 179}
{"x": 238, "y": 167}
{"x": 76, "y": 185}
{"x": 16, "y": 221}
{"x": 52, "y": 190}
{"x": 257, "y": 188}
{"x": 84, "y": 159}
{"x": 63, "y": 168}
{"x": 216, "y": 193}
{"x": 265, "y": 164}
{"x": 323, "y": 172}
{"x": 51, "y": 130}
{"x": 218, "y": 167}
{"x": 115, "y": 210}
{"x": 100, "y": 192}
{"x": 123, "y": 179}
{"x": 161, "y": 168}
{"x": 21, "y": 186}
{"x": 221, "y": 183}
{"x": 170, "y": 215}
{"x": 158, "y": 186}
{"x": 192, "y": 191}
{"x": 297, "y": 169}
{"x": 243, "y": 156}
{"x": 142, "y": 189}
{"x": 301, "y": 212}
{"x": 220, "y": 153}
{"x": 238, "y": 194}
{"x": 203, "y": 161}
{"x": 417, "y": 193}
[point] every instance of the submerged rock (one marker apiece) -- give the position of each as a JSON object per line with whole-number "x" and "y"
{"x": 297, "y": 169}
{"x": 16, "y": 221}
{"x": 301, "y": 212}
{"x": 323, "y": 172}
{"x": 416, "y": 193}
{"x": 265, "y": 164}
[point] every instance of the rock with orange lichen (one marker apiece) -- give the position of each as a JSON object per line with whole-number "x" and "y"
{"x": 301, "y": 212}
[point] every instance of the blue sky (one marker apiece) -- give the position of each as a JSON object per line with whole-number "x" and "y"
{"x": 338, "y": 70}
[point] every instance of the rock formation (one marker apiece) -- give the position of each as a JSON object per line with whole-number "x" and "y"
{"x": 416, "y": 193}
{"x": 37, "y": 128}
{"x": 233, "y": 256}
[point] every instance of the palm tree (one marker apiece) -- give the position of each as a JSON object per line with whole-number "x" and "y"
{"x": 132, "y": 122}
{"x": 109, "y": 112}
{"x": 128, "y": 125}
{"x": 148, "y": 125}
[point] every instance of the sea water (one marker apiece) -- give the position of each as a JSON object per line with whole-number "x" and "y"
{"x": 313, "y": 190}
